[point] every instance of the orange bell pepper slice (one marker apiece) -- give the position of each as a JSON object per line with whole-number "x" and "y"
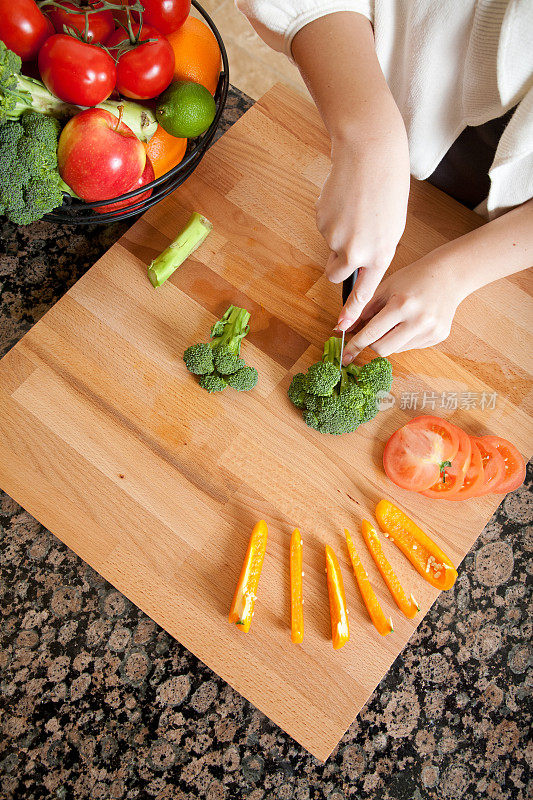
{"x": 242, "y": 607}
{"x": 383, "y": 625}
{"x": 407, "y": 606}
{"x": 340, "y": 630}
{"x": 297, "y": 610}
{"x": 425, "y": 556}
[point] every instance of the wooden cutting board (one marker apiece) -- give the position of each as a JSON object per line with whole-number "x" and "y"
{"x": 109, "y": 442}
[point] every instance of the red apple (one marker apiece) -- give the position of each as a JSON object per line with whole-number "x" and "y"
{"x": 133, "y": 202}
{"x": 98, "y": 156}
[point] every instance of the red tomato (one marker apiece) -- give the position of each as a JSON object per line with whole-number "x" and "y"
{"x": 414, "y": 454}
{"x": 451, "y": 481}
{"x": 23, "y": 27}
{"x": 76, "y": 72}
{"x": 166, "y": 15}
{"x": 474, "y": 478}
{"x": 145, "y": 70}
{"x": 514, "y": 464}
{"x": 100, "y": 23}
{"x": 493, "y": 466}
{"x": 147, "y": 176}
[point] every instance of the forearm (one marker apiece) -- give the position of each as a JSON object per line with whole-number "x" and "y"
{"x": 337, "y": 58}
{"x": 495, "y": 250}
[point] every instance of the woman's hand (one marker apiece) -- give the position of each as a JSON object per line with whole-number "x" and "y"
{"x": 361, "y": 211}
{"x": 412, "y": 309}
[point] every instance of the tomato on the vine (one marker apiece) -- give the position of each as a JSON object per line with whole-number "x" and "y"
{"x": 145, "y": 69}
{"x": 23, "y": 27}
{"x": 95, "y": 25}
{"x": 76, "y": 72}
{"x": 166, "y": 15}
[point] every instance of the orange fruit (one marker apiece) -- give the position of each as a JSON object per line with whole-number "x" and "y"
{"x": 165, "y": 151}
{"x": 197, "y": 54}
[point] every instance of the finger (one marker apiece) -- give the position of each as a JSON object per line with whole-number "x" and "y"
{"x": 417, "y": 343}
{"x": 396, "y": 340}
{"x": 383, "y": 322}
{"x": 364, "y": 288}
{"x": 338, "y": 268}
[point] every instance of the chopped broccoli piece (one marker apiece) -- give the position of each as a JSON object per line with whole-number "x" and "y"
{"x": 351, "y": 401}
{"x": 298, "y": 390}
{"x": 30, "y": 185}
{"x": 323, "y": 376}
{"x": 213, "y": 382}
{"x": 243, "y": 380}
{"x": 221, "y": 356}
{"x": 199, "y": 359}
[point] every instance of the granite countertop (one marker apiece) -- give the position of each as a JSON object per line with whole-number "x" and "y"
{"x": 99, "y": 703}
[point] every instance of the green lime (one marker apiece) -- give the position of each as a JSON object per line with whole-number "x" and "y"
{"x": 185, "y": 109}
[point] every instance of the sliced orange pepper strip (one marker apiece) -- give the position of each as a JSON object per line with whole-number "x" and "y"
{"x": 425, "y": 556}
{"x": 340, "y": 630}
{"x": 380, "y": 621}
{"x": 242, "y": 607}
{"x": 407, "y": 606}
{"x": 297, "y": 609}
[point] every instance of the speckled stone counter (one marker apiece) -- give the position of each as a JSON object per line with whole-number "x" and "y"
{"x": 99, "y": 703}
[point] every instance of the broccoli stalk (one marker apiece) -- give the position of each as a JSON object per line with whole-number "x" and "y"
{"x": 186, "y": 242}
{"x": 19, "y": 94}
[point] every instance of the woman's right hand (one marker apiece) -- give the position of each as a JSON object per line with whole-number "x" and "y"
{"x": 361, "y": 212}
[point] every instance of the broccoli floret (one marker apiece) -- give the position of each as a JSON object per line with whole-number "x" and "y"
{"x": 220, "y": 357}
{"x": 243, "y": 380}
{"x": 375, "y": 376}
{"x": 352, "y": 400}
{"x": 199, "y": 359}
{"x": 297, "y": 391}
{"x": 213, "y": 382}
{"x": 30, "y": 185}
{"x": 323, "y": 376}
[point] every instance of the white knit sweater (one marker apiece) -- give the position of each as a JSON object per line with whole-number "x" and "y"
{"x": 449, "y": 64}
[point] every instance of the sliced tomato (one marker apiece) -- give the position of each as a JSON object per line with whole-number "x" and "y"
{"x": 415, "y": 454}
{"x": 474, "y": 478}
{"x": 514, "y": 464}
{"x": 493, "y": 465}
{"x": 452, "y": 477}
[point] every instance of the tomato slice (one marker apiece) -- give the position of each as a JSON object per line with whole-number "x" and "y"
{"x": 514, "y": 464}
{"x": 453, "y": 476}
{"x": 414, "y": 455}
{"x": 474, "y": 478}
{"x": 493, "y": 465}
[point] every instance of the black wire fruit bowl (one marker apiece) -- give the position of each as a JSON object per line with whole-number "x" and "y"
{"x": 78, "y": 212}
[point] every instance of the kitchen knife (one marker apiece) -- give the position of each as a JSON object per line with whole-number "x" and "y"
{"x": 347, "y": 286}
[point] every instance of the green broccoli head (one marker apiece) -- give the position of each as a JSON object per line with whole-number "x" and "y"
{"x": 10, "y": 65}
{"x": 297, "y": 391}
{"x": 199, "y": 359}
{"x": 243, "y": 380}
{"x": 323, "y": 376}
{"x": 376, "y": 376}
{"x": 213, "y": 383}
{"x": 226, "y": 361}
{"x": 29, "y": 181}
{"x": 333, "y": 418}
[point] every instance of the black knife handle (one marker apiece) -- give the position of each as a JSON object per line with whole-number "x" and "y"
{"x": 347, "y": 286}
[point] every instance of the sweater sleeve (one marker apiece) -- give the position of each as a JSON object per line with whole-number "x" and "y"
{"x": 278, "y": 21}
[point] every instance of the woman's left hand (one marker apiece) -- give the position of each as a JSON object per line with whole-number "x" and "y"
{"x": 411, "y": 309}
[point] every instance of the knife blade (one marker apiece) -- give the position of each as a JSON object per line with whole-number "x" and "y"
{"x": 342, "y": 350}
{"x": 347, "y": 286}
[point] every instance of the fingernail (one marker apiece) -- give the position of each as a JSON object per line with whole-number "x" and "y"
{"x": 347, "y": 358}
{"x": 344, "y": 323}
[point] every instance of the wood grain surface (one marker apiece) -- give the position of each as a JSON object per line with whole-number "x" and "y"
{"x": 109, "y": 442}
